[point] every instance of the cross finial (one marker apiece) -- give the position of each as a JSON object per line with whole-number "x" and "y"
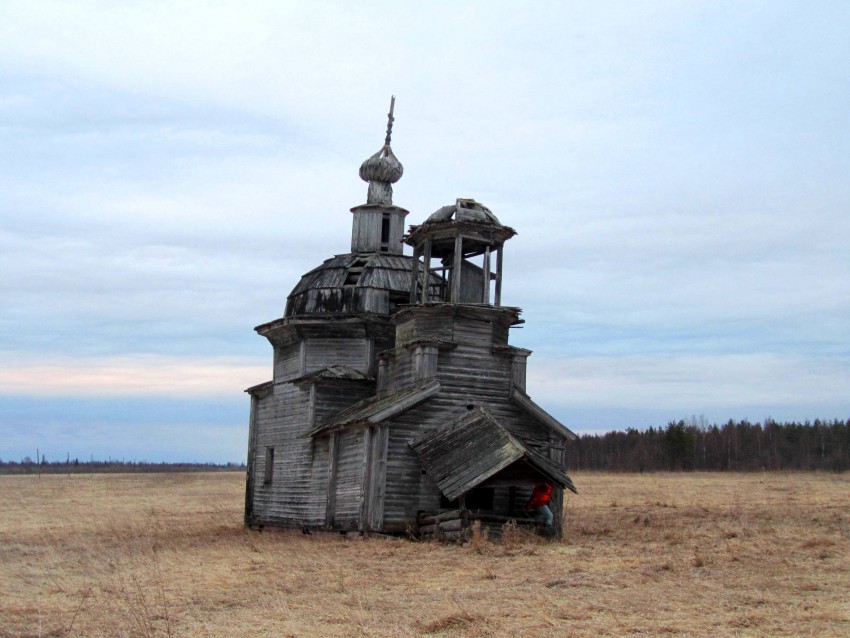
{"x": 390, "y": 119}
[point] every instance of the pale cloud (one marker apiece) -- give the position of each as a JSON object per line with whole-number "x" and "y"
{"x": 686, "y": 383}
{"x": 676, "y": 172}
{"x": 141, "y": 376}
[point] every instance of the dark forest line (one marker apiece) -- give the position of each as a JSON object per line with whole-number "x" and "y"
{"x": 694, "y": 445}
{"x": 75, "y": 466}
{"x": 684, "y": 445}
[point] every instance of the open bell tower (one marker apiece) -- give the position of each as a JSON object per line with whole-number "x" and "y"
{"x": 449, "y": 243}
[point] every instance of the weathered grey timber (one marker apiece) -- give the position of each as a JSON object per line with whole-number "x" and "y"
{"x": 466, "y": 452}
{"x": 396, "y": 399}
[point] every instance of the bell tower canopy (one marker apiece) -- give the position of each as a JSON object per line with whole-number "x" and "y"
{"x": 457, "y": 235}
{"x": 378, "y": 226}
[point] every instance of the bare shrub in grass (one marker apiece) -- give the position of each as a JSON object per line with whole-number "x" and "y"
{"x": 510, "y": 536}
{"x": 451, "y": 623}
{"x": 478, "y": 537}
{"x": 139, "y": 593}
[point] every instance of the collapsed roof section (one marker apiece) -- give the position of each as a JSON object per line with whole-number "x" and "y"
{"x": 474, "y": 447}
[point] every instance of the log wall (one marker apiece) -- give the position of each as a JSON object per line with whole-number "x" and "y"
{"x": 288, "y": 362}
{"x": 353, "y": 353}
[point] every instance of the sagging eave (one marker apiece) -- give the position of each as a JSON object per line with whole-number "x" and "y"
{"x": 521, "y": 399}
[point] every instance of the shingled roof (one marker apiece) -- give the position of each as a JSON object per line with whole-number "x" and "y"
{"x": 467, "y": 451}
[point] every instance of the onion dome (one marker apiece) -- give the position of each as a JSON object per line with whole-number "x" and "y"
{"x": 383, "y": 169}
{"x": 383, "y": 166}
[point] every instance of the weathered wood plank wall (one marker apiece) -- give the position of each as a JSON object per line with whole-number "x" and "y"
{"x": 322, "y": 353}
{"x": 349, "y": 488}
{"x": 288, "y": 362}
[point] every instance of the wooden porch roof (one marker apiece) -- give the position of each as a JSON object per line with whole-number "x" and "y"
{"x": 469, "y": 450}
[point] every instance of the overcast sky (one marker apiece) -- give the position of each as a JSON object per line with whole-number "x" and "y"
{"x": 677, "y": 173}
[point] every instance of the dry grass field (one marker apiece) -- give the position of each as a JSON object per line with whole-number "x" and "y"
{"x": 661, "y": 554}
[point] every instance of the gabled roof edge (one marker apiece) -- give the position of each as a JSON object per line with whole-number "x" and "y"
{"x": 524, "y": 401}
{"x": 514, "y": 450}
{"x": 260, "y": 388}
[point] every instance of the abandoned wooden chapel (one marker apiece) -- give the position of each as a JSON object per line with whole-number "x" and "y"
{"x": 397, "y": 403}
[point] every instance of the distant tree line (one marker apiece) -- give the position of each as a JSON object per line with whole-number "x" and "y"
{"x": 74, "y": 466}
{"x": 693, "y": 444}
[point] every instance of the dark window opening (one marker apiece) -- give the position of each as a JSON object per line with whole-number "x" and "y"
{"x": 481, "y": 498}
{"x": 354, "y": 272}
{"x": 269, "y": 473}
{"x": 385, "y": 229}
{"x": 397, "y": 298}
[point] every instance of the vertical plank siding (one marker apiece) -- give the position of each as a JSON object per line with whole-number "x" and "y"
{"x": 402, "y": 495}
{"x": 400, "y": 374}
{"x": 349, "y": 487}
{"x": 366, "y": 231}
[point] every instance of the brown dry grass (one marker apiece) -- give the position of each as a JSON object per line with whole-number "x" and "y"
{"x": 684, "y": 554}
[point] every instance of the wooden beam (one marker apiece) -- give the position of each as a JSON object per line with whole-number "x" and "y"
{"x": 252, "y": 442}
{"x": 380, "y": 476}
{"x": 414, "y": 275}
{"x": 425, "y": 519}
{"x": 333, "y": 459}
{"x": 400, "y": 406}
{"x": 366, "y": 480}
{"x": 487, "y": 275}
{"x": 458, "y": 261}
{"x": 426, "y": 278}
{"x": 498, "y": 300}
